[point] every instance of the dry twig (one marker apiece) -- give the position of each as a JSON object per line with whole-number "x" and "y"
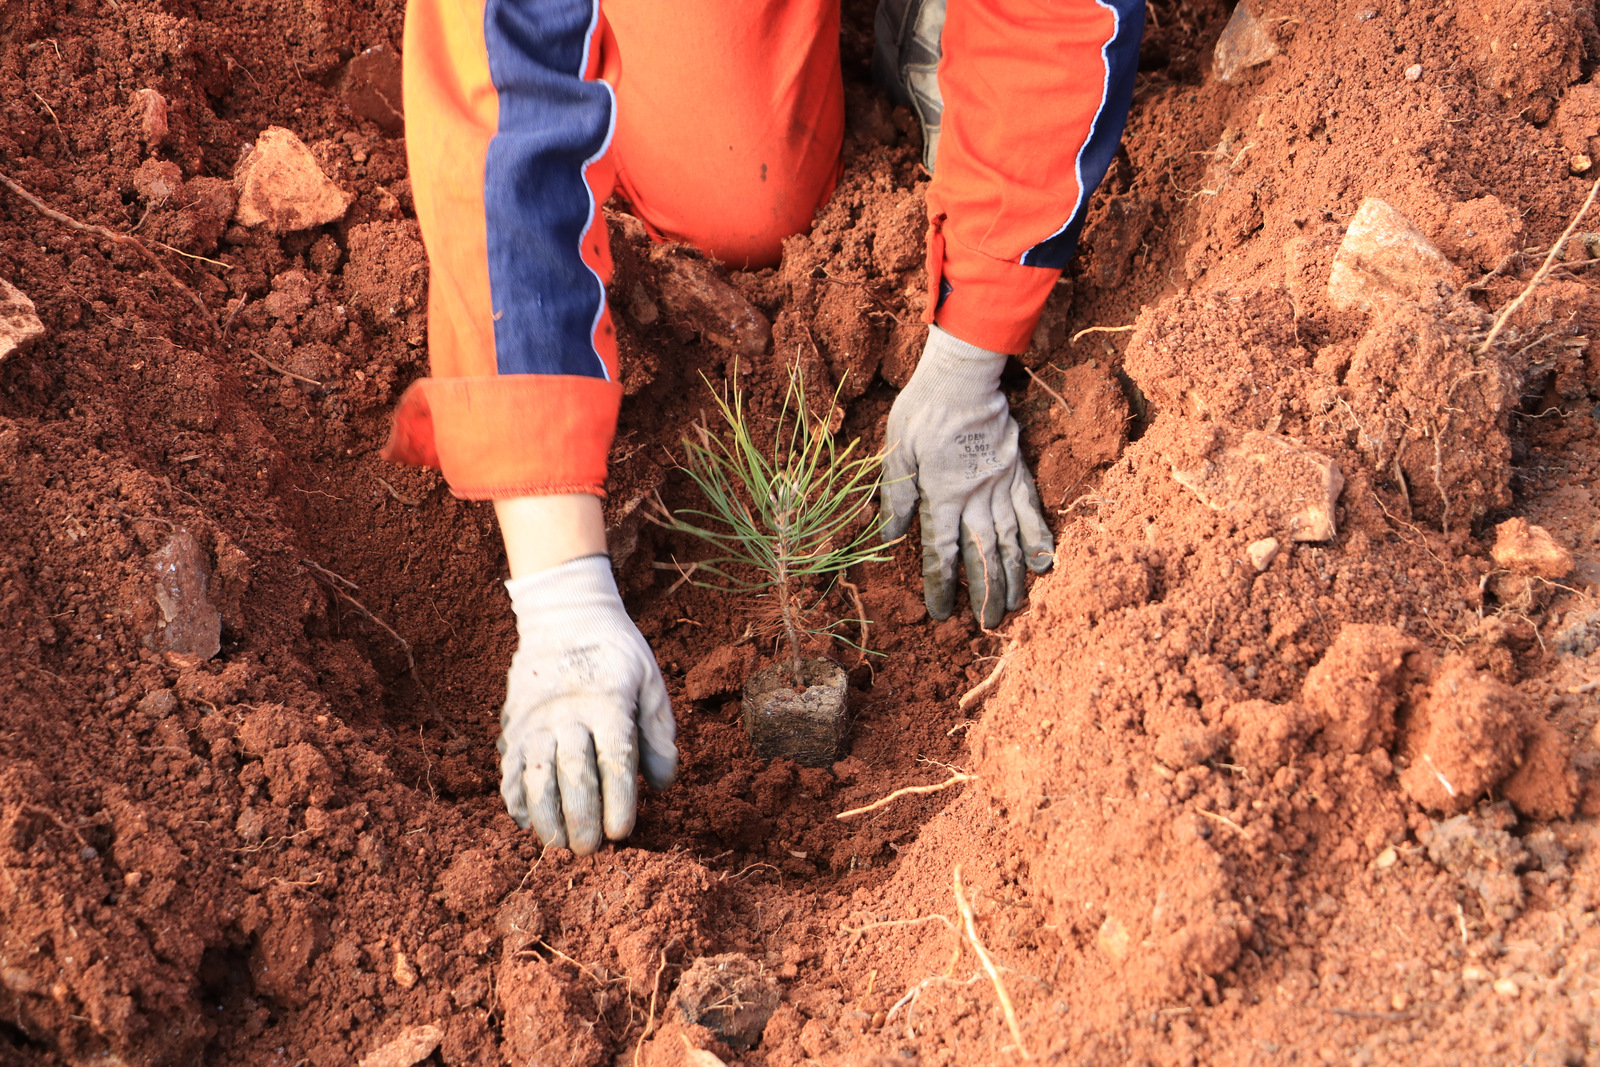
{"x": 339, "y": 584}
{"x": 59, "y": 131}
{"x": 1543, "y": 271}
{"x": 407, "y": 501}
{"x": 988, "y": 965}
{"x": 955, "y": 779}
{"x": 282, "y": 370}
{"x": 111, "y": 235}
{"x": 1041, "y": 384}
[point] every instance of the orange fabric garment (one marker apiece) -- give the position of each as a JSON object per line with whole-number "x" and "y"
{"x": 1024, "y": 83}
{"x": 730, "y": 116}
{"x": 490, "y": 434}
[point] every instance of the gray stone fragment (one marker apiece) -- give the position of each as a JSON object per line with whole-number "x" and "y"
{"x": 731, "y": 995}
{"x": 19, "y": 321}
{"x": 1244, "y": 43}
{"x": 190, "y": 624}
{"x": 1383, "y": 259}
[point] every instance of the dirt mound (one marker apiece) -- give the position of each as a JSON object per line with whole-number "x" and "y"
{"x": 1285, "y": 761}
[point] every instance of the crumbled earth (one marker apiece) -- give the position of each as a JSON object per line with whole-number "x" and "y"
{"x": 1276, "y": 767}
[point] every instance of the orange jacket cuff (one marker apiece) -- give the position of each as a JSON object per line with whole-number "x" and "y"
{"x": 988, "y": 302}
{"x": 510, "y": 435}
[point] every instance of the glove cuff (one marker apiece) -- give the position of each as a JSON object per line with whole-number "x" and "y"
{"x": 581, "y": 582}
{"x": 951, "y": 364}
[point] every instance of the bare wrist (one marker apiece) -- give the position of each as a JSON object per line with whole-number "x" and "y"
{"x": 545, "y": 531}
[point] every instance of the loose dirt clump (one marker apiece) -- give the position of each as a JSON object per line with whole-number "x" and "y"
{"x": 1275, "y": 766}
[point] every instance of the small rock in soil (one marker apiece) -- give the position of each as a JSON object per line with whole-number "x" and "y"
{"x": 731, "y": 995}
{"x": 371, "y": 88}
{"x": 19, "y": 320}
{"x": 149, "y": 110}
{"x": 1529, "y": 560}
{"x": 704, "y": 301}
{"x": 157, "y": 704}
{"x": 1261, "y": 553}
{"x": 413, "y": 1045}
{"x": 1463, "y": 738}
{"x": 1277, "y": 478}
{"x": 157, "y": 180}
{"x": 1244, "y": 43}
{"x": 1522, "y": 547}
{"x": 191, "y": 625}
{"x": 1384, "y": 259}
{"x": 1484, "y": 858}
{"x": 282, "y": 187}
{"x": 519, "y": 922}
{"x": 405, "y": 974}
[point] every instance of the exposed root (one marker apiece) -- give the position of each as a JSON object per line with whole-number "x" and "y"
{"x": 955, "y": 779}
{"x": 111, "y": 235}
{"x": 979, "y": 691}
{"x": 59, "y": 131}
{"x": 988, "y": 965}
{"x": 1225, "y": 821}
{"x": 1543, "y": 271}
{"x": 650, "y": 1023}
{"x": 861, "y": 613}
{"x": 1100, "y": 329}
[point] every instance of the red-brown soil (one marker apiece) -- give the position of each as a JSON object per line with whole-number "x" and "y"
{"x": 1207, "y": 824}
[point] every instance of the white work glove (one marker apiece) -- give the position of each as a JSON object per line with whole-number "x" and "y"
{"x": 584, "y": 701}
{"x": 951, "y": 437}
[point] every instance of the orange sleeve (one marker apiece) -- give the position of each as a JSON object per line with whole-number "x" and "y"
{"x": 509, "y": 120}
{"x": 1036, "y": 95}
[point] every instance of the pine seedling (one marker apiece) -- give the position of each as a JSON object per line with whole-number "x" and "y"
{"x": 777, "y": 519}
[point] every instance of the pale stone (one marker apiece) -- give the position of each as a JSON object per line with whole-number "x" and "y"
{"x": 411, "y": 1046}
{"x": 1384, "y": 259}
{"x": 19, "y": 320}
{"x": 1524, "y": 548}
{"x": 190, "y": 625}
{"x": 1261, "y": 553}
{"x": 1579, "y": 163}
{"x": 282, "y": 187}
{"x": 1113, "y": 939}
{"x": 149, "y": 109}
{"x": 1414, "y": 72}
{"x": 1292, "y": 486}
{"x": 405, "y": 972}
{"x": 1244, "y": 44}
{"x": 1506, "y": 987}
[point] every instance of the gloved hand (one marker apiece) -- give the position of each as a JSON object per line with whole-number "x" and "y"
{"x": 584, "y": 701}
{"x": 951, "y": 437}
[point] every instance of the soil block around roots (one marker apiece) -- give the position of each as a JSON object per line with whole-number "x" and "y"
{"x": 807, "y": 726}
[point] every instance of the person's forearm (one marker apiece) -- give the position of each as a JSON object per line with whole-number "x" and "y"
{"x": 544, "y": 531}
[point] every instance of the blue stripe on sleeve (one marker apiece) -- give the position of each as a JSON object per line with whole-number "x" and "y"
{"x": 537, "y": 205}
{"x": 1121, "y": 57}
